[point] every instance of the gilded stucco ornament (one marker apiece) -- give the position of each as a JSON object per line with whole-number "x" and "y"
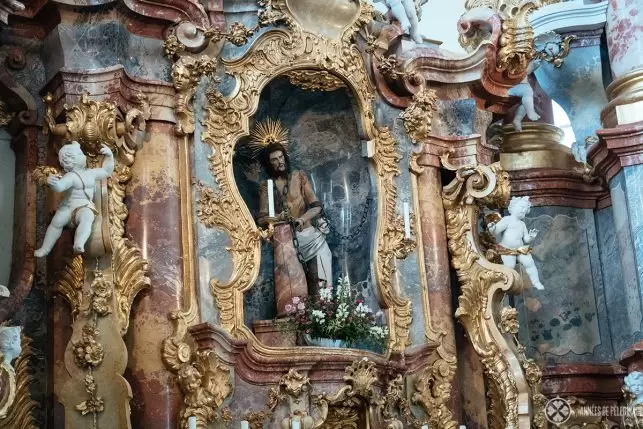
{"x": 418, "y": 116}
{"x": 274, "y": 53}
{"x": 432, "y": 390}
{"x": 515, "y": 44}
{"x": 483, "y": 286}
{"x": 205, "y": 382}
{"x": 315, "y": 80}
{"x": 553, "y": 48}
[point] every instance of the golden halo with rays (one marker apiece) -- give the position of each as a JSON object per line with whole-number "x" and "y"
{"x": 266, "y": 132}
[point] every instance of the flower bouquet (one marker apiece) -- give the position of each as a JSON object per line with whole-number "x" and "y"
{"x": 337, "y": 315}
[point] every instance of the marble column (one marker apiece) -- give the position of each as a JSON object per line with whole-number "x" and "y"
{"x": 438, "y": 269}
{"x": 624, "y": 36}
{"x": 154, "y": 225}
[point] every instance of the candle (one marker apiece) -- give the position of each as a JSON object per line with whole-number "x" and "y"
{"x": 425, "y": 426}
{"x": 191, "y": 422}
{"x": 296, "y": 423}
{"x": 407, "y": 221}
{"x": 245, "y": 424}
{"x": 463, "y": 427}
{"x": 271, "y": 198}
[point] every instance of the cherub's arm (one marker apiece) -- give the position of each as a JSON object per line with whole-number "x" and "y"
{"x": 61, "y": 184}
{"x": 108, "y": 165}
{"x": 528, "y": 236}
{"x": 499, "y": 227}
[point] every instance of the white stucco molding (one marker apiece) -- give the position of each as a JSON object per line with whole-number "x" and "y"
{"x": 569, "y": 16}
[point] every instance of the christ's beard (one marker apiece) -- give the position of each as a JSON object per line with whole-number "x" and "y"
{"x": 274, "y": 173}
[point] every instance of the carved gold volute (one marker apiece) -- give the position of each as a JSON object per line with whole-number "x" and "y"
{"x": 101, "y": 284}
{"x": 513, "y": 380}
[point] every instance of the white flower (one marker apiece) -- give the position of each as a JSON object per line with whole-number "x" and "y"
{"x": 379, "y": 331}
{"x": 318, "y": 316}
{"x": 342, "y": 312}
{"x": 289, "y": 308}
{"x": 295, "y": 300}
{"x": 301, "y": 306}
{"x": 362, "y": 309}
{"x": 326, "y": 294}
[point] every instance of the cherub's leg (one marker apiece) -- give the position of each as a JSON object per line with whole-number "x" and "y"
{"x": 55, "y": 228}
{"x": 411, "y": 13}
{"x": 530, "y": 266}
{"x": 85, "y": 220}
{"x": 518, "y": 117}
{"x": 399, "y": 13}
{"x": 508, "y": 261}
{"x": 528, "y": 102}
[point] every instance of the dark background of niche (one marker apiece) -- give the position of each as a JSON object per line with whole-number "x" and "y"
{"x": 324, "y": 142}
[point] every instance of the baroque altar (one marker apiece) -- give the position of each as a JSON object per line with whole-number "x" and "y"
{"x": 302, "y": 214}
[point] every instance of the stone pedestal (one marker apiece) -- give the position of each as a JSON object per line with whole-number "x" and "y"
{"x": 275, "y": 333}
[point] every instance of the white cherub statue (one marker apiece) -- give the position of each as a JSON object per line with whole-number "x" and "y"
{"x": 634, "y": 384}
{"x": 77, "y": 208}
{"x": 10, "y": 346}
{"x": 514, "y": 239}
{"x": 406, "y": 13}
{"x": 526, "y": 94}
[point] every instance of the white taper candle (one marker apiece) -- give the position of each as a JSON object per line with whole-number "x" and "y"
{"x": 271, "y": 198}
{"x": 245, "y": 424}
{"x": 407, "y": 221}
{"x": 191, "y": 422}
{"x": 296, "y": 423}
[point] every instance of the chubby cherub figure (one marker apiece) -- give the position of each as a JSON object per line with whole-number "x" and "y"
{"x": 514, "y": 239}
{"x": 406, "y": 13}
{"x": 77, "y": 207}
{"x": 526, "y": 94}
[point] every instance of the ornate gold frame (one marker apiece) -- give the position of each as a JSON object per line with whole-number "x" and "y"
{"x": 278, "y": 52}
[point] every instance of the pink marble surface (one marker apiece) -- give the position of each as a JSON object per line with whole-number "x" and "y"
{"x": 624, "y": 35}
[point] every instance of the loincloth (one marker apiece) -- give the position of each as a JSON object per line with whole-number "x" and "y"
{"x": 523, "y": 250}
{"x": 74, "y": 212}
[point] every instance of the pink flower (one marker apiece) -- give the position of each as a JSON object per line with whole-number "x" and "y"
{"x": 289, "y": 308}
{"x": 301, "y": 306}
{"x": 295, "y": 300}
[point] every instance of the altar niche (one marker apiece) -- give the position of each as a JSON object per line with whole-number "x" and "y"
{"x": 328, "y": 204}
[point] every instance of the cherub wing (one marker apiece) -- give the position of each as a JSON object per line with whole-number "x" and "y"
{"x": 41, "y": 173}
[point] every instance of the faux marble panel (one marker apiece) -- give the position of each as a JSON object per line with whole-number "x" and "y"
{"x": 633, "y": 307}
{"x": 634, "y": 184}
{"x": 577, "y": 86}
{"x": 7, "y": 184}
{"x": 90, "y": 46}
{"x": 615, "y": 295}
{"x": 566, "y": 322}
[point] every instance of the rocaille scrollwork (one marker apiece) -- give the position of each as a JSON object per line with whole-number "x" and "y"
{"x": 483, "y": 286}
{"x": 277, "y": 52}
{"x": 205, "y": 381}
